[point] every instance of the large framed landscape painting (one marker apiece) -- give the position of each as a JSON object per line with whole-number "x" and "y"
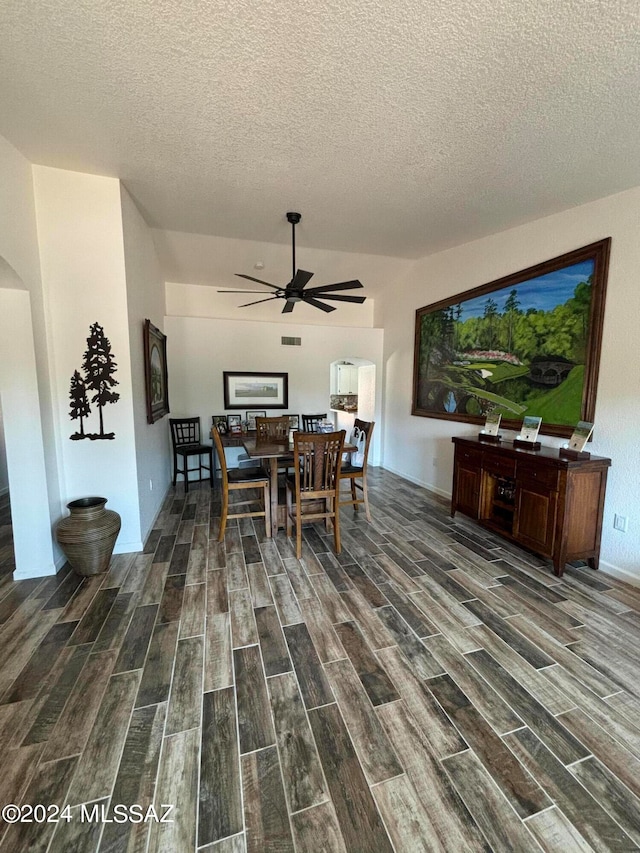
{"x": 527, "y": 344}
{"x": 253, "y": 390}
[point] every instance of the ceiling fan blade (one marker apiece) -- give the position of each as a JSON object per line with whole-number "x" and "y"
{"x": 359, "y": 299}
{"x": 300, "y": 279}
{"x": 258, "y": 280}
{"x": 257, "y": 302}
{"x": 320, "y": 305}
{"x": 243, "y": 291}
{"x": 342, "y": 285}
{"x": 288, "y": 307}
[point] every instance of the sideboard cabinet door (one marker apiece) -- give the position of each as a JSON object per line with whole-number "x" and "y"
{"x": 535, "y": 517}
{"x": 467, "y": 482}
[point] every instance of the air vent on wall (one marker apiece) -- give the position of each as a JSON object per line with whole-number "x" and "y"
{"x": 291, "y": 342}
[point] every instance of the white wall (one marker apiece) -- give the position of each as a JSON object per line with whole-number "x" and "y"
{"x": 421, "y": 449}
{"x": 25, "y": 457}
{"x": 200, "y": 349}
{"x": 145, "y": 300}
{"x": 83, "y": 272}
{"x": 21, "y": 290}
{"x": 200, "y": 259}
{"x": 192, "y": 300}
{"x": 366, "y": 400}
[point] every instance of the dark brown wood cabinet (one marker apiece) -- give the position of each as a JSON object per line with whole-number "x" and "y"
{"x": 545, "y": 502}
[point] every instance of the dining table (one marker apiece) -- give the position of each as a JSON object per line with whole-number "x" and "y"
{"x": 271, "y": 453}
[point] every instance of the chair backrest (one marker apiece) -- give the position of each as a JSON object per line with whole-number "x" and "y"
{"x": 217, "y": 443}
{"x": 361, "y": 436}
{"x": 185, "y": 431}
{"x": 319, "y": 457}
{"x": 310, "y": 423}
{"x": 272, "y": 429}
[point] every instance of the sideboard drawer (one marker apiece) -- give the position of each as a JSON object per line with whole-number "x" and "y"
{"x": 499, "y": 466}
{"x": 542, "y": 475}
{"x": 470, "y": 456}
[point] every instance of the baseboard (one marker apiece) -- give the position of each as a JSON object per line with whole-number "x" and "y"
{"x": 121, "y": 548}
{"x": 620, "y": 574}
{"x": 441, "y": 492}
{"x": 147, "y": 533}
{"x": 128, "y": 547}
{"x": 37, "y": 572}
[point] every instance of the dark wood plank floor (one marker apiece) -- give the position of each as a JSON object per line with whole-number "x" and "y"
{"x": 7, "y": 558}
{"x": 430, "y": 689}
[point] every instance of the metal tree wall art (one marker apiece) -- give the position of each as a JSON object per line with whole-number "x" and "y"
{"x": 99, "y": 368}
{"x": 79, "y": 407}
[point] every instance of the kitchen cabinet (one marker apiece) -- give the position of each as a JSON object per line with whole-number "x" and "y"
{"x": 545, "y": 502}
{"x": 347, "y": 379}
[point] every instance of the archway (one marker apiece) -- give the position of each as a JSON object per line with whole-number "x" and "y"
{"x": 362, "y": 404}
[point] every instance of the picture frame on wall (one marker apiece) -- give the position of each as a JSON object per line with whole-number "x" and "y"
{"x": 155, "y": 372}
{"x": 268, "y": 390}
{"x": 252, "y": 415}
{"x": 294, "y": 421}
{"x": 234, "y": 422}
{"x": 527, "y": 344}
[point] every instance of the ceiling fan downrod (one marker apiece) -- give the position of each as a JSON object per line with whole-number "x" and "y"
{"x": 293, "y": 218}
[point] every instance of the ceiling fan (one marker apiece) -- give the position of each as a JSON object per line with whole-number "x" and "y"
{"x": 295, "y": 290}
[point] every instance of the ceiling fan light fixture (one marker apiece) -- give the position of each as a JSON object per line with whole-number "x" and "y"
{"x": 294, "y": 290}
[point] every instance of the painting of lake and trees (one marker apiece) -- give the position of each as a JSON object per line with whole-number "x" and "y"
{"x": 528, "y": 344}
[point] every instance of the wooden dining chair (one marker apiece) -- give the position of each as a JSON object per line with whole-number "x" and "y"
{"x": 272, "y": 429}
{"x": 310, "y": 423}
{"x": 185, "y": 438}
{"x": 313, "y": 489}
{"x": 234, "y": 479}
{"x": 356, "y": 468}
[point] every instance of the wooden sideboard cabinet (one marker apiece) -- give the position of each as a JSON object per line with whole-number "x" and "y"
{"x": 545, "y": 502}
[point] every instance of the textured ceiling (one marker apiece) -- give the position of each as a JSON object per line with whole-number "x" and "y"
{"x": 396, "y": 128}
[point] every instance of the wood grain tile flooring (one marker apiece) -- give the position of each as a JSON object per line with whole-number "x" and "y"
{"x": 7, "y": 559}
{"x": 432, "y": 688}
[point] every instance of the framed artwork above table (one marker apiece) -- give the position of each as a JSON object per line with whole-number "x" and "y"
{"x": 243, "y": 390}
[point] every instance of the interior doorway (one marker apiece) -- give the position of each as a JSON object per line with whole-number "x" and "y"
{"x": 349, "y": 375}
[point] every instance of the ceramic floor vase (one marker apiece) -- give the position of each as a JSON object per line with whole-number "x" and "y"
{"x": 88, "y": 535}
